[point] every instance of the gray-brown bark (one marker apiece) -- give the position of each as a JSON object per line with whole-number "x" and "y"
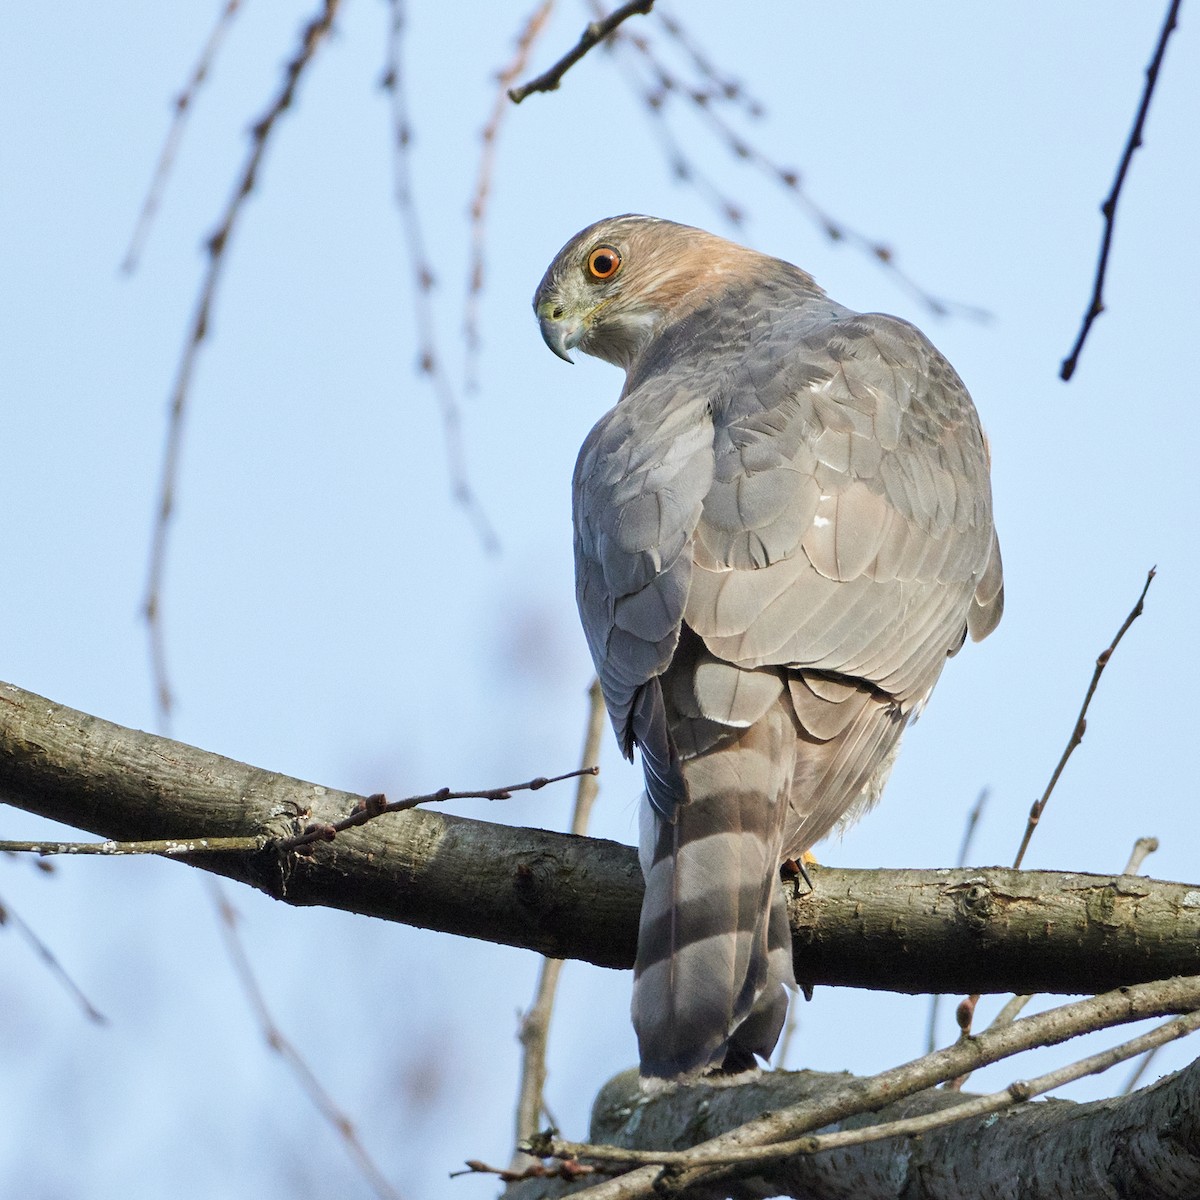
{"x": 1146, "y": 1145}
{"x": 940, "y": 930}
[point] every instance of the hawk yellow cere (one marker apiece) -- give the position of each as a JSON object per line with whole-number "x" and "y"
{"x": 782, "y": 531}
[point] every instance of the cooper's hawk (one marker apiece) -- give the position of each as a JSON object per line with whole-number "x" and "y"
{"x": 782, "y": 530}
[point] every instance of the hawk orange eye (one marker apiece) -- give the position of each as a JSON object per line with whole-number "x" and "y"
{"x": 603, "y": 262}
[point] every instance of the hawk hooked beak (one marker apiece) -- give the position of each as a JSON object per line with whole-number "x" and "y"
{"x": 559, "y": 331}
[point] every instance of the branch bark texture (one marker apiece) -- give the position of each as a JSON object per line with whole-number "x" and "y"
{"x": 1145, "y": 1145}
{"x": 961, "y": 930}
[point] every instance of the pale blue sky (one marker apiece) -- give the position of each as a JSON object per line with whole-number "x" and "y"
{"x": 331, "y": 614}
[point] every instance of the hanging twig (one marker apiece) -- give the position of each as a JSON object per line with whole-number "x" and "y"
{"x": 9, "y": 917}
{"x": 722, "y": 86}
{"x": 1109, "y": 207}
{"x": 666, "y": 85}
{"x": 275, "y": 1038}
{"x": 483, "y": 185}
{"x": 314, "y": 33}
{"x": 429, "y": 361}
{"x": 166, "y": 158}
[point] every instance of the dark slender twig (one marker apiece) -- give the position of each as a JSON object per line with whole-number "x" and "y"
{"x": 315, "y": 31}
{"x": 591, "y": 37}
{"x": 1139, "y": 1070}
{"x": 378, "y": 804}
{"x": 534, "y": 1034}
{"x": 528, "y": 36}
{"x": 429, "y": 361}
{"x": 1109, "y": 207}
{"x": 965, "y": 1013}
{"x": 275, "y": 1038}
{"x": 166, "y": 158}
{"x": 1035, "y": 813}
{"x": 9, "y": 917}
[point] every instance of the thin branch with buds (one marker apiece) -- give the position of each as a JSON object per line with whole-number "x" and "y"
{"x": 965, "y": 1014}
{"x": 166, "y": 159}
{"x": 334, "y": 1115}
{"x": 591, "y": 37}
{"x": 1109, "y": 207}
{"x": 528, "y": 36}
{"x": 705, "y": 98}
{"x": 376, "y": 805}
{"x": 1039, "y": 807}
{"x": 366, "y": 809}
{"x": 315, "y": 31}
{"x": 429, "y": 360}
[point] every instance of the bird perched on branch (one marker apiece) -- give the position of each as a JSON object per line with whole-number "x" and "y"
{"x": 782, "y": 530}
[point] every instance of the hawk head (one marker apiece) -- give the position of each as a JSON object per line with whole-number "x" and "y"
{"x": 613, "y": 286}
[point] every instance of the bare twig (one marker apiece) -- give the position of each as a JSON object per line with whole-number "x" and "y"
{"x": 1109, "y": 207}
{"x": 315, "y": 31}
{"x": 1142, "y": 849}
{"x": 367, "y": 809}
{"x": 429, "y": 361}
{"x": 168, "y": 847}
{"x": 567, "y": 1169}
{"x": 979, "y": 1106}
{"x": 722, "y": 87}
{"x": 1035, "y": 813}
{"x": 682, "y": 168}
{"x": 665, "y": 85}
{"x": 778, "y": 1133}
{"x": 376, "y": 805}
{"x": 535, "y": 1024}
{"x": 8, "y": 916}
{"x": 483, "y": 184}
{"x": 277, "y": 1041}
{"x": 1140, "y": 1069}
{"x": 591, "y": 37}
{"x": 183, "y": 108}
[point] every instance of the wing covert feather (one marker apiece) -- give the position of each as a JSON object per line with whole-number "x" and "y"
{"x": 884, "y": 479}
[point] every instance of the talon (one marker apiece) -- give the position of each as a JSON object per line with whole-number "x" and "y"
{"x": 793, "y": 870}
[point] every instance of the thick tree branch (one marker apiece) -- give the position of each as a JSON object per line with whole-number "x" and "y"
{"x": 962, "y": 930}
{"x": 1146, "y": 1145}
